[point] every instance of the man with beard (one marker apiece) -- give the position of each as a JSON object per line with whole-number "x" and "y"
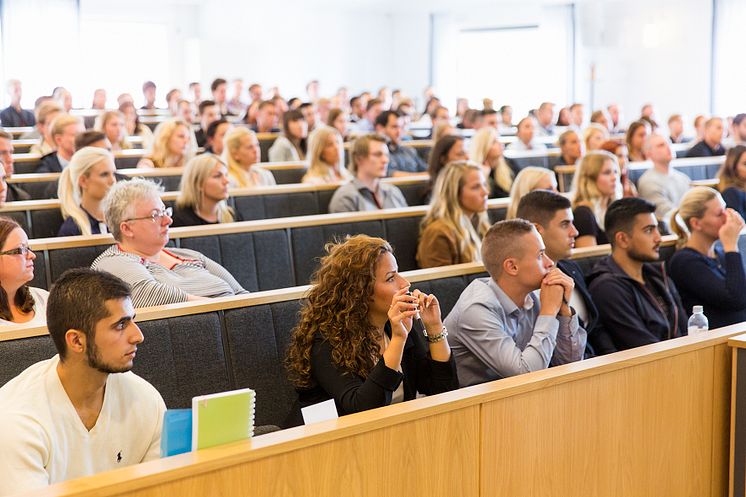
{"x": 82, "y": 411}
{"x": 637, "y": 302}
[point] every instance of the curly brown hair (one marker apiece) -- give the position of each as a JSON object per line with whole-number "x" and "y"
{"x": 337, "y": 309}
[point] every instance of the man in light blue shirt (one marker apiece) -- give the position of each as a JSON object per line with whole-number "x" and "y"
{"x": 500, "y": 327}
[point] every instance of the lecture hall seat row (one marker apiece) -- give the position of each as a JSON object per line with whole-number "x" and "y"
{"x": 42, "y": 218}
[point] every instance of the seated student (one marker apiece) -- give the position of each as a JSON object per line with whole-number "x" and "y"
{"x": 45, "y": 113}
{"x": 711, "y": 143}
{"x": 14, "y": 192}
{"x": 266, "y": 118}
{"x": 707, "y": 273}
{"x": 552, "y": 216}
{"x": 499, "y": 326}
{"x": 599, "y": 117}
{"x": 292, "y": 144}
{"x": 661, "y": 184}
{"x": 732, "y": 179}
{"x": 439, "y": 131}
{"x": 20, "y": 303}
{"x": 635, "y": 138}
{"x": 133, "y": 126}
{"x": 241, "y": 153}
{"x": 64, "y": 129}
{"x": 620, "y": 151}
{"x": 529, "y": 179}
{"x": 139, "y": 222}
{"x": 310, "y": 114}
{"x": 451, "y": 232}
{"x": 81, "y": 412}
{"x": 570, "y": 150}
{"x": 403, "y": 161}
{"x": 216, "y": 132}
{"x": 172, "y": 145}
{"x": 487, "y": 151}
{"x": 366, "y": 192}
{"x": 111, "y": 123}
{"x": 676, "y": 129}
{"x": 338, "y": 119}
{"x": 203, "y": 192}
{"x": 325, "y": 158}
{"x": 448, "y": 149}
{"x": 367, "y": 123}
{"x": 356, "y": 341}
{"x": 637, "y": 302}
{"x": 525, "y": 137}
{"x": 595, "y": 186}
{"x": 82, "y": 187}
{"x": 593, "y": 136}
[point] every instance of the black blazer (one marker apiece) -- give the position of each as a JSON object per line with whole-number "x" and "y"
{"x": 353, "y": 393}
{"x": 49, "y": 164}
{"x": 599, "y": 342}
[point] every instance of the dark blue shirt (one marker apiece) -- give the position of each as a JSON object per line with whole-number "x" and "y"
{"x": 69, "y": 228}
{"x": 735, "y": 198}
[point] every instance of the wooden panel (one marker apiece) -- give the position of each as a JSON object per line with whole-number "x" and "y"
{"x": 639, "y": 431}
{"x": 721, "y": 400}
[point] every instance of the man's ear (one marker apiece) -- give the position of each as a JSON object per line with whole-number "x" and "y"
{"x": 621, "y": 240}
{"x": 75, "y": 340}
{"x": 510, "y": 266}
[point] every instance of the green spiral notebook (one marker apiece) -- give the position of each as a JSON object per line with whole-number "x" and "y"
{"x": 222, "y": 418}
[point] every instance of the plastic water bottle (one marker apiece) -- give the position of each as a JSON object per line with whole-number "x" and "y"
{"x": 698, "y": 322}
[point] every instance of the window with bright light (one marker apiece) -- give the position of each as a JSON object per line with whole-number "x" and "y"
{"x": 730, "y": 71}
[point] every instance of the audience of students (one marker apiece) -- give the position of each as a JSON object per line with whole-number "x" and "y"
{"x": 487, "y": 151}
{"x": 499, "y": 326}
{"x": 357, "y": 341}
{"x": 595, "y": 186}
{"x": 325, "y": 163}
{"x": 291, "y": 145}
{"x": 705, "y": 272}
{"x": 637, "y": 301}
{"x": 451, "y": 232}
{"x": 732, "y": 179}
{"x": 366, "y": 191}
{"x": 81, "y": 412}
{"x": 241, "y": 154}
{"x": 82, "y": 187}
{"x": 203, "y": 193}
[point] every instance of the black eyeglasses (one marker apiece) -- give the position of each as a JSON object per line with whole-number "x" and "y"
{"x": 22, "y": 250}
{"x": 155, "y": 216}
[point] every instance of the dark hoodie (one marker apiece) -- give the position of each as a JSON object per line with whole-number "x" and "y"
{"x": 629, "y": 311}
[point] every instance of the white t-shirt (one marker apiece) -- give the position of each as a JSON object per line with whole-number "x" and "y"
{"x": 44, "y": 440}
{"x": 40, "y": 308}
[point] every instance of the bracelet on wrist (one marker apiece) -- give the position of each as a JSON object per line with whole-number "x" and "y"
{"x": 437, "y": 338}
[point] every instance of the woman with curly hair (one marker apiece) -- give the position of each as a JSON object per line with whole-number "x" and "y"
{"x": 356, "y": 341}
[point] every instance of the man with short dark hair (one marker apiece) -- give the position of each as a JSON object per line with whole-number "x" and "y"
{"x": 81, "y": 412}
{"x": 15, "y": 192}
{"x": 711, "y": 144}
{"x": 215, "y": 133}
{"x": 148, "y": 92}
{"x": 218, "y": 89}
{"x": 676, "y": 129}
{"x": 551, "y": 214}
{"x": 576, "y": 117}
{"x": 366, "y": 192}
{"x": 488, "y": 118}
{"x": 357, "y": 111}
{"x": 739, "y": 129}
{"x": 266, "y": 118}
{"x": 637, "y": 302}
{"x": 208, "y": 113}
{"x": 308, "y": 109}
{"x": 14, "y": 115}
{"x": 403, "y": 161}
{"x": 500, "y": 327}
{"x": 91, "y": 138}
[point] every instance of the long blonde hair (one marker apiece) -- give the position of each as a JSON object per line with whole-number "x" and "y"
{"x": 446, "y": 207}
{"x": 590, "y": 130}
{"x": 526, "y": 182}
{"x": 317, "y": 166}
{"x": 105, "y": 117}
{"x": 163, "y": 132}
{"x": 68, "y": 188}
{"x": 196, "y": 172}
{"x": 584, "y": 188}
{"x": 481, "y": 144}
{"x": 232, "y": 142}
{"x": 692, "y": 205}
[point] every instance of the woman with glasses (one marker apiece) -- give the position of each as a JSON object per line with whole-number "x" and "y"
{"x": 19, "y": 302}
{"x": 82, "y": 187}
{"x": 138, "y": 221}
{"x": 203, "y": 193}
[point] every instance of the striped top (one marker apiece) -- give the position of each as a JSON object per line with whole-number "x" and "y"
{"x": 153, "y": 284}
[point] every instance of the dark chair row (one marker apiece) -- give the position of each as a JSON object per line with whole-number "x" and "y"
{"x": 261, "y": 255}
{"x": 42, "y": 219}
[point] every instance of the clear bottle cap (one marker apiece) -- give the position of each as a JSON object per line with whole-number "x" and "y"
{"x": 697, "y": 309}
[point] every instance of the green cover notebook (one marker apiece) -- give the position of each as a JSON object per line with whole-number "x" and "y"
{"x": 221, "y": 418}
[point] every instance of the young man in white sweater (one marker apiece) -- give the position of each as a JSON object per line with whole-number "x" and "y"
{"x": 82, "y": 411}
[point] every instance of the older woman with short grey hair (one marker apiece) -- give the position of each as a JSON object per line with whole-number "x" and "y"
{"x": 139, "y": 221}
